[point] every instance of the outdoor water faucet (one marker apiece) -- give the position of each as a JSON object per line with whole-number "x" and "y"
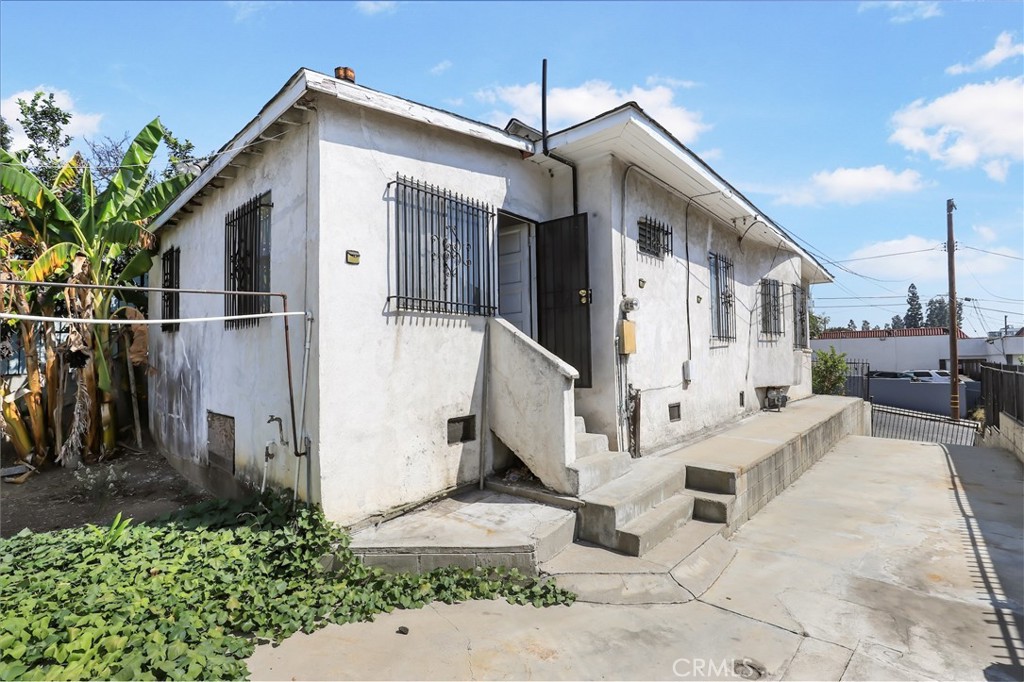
{"x": 280, "y": 428}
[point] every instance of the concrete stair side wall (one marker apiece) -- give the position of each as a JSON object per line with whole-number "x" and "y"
{"x": 531, "y": 403}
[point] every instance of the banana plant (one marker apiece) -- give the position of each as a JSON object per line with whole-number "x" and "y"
{"x": 90, "y": 230}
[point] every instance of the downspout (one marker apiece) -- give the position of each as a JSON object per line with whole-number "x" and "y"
{"x": 544, "y": 136}
{"x": 302, "y": 412}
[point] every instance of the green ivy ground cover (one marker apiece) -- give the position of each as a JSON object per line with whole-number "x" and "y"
{"x": 189, "y": 596}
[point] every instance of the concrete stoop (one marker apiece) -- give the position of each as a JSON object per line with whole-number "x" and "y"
{"x": 637, "y": 510}
{"x": 595, "y": 464}
{"x": 469, "y": 530}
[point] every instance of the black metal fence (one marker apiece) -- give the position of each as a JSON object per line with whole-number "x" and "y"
{"x": 893, "y": 422}
{"x": 1002, "y": 390}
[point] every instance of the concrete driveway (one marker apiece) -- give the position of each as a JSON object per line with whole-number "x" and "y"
{"x": 887, "y": 560}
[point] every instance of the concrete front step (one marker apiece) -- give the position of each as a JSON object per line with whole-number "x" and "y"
{"x": 588, "y": 444}
{"x": 581, "y": 424}
{"x": 611, "y": 507}
{"x": 593, "y": 471}
{"x": 643, "y": 533}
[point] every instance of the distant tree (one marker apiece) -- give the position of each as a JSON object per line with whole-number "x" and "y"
{"x": 5, "y": 134}
{"x": 819, "y": 323}
{"x": 44, "y": 122}
{"x": 105, "y": 156}
{"x": 181, "y": 157}
{"x": 876, "y": 328}
{"x": 937, "y": 312}
{"x": 851, "y": 325}
{"x": 865, "y": 326}
{"x": 897, "y": 323}
{"x": 914, "y": 317}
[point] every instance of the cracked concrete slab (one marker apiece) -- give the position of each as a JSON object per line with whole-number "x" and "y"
{"x": 886, "y": 560}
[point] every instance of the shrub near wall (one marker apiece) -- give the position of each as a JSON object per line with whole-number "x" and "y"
{"x": 828, "y": 373}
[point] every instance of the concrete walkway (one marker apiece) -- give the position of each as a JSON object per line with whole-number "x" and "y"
{"x": 886, "y": 560}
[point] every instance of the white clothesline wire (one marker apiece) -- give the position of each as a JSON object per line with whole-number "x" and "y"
{"x": 184, "y": 320}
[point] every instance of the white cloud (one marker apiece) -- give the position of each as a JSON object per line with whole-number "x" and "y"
{"x": 927, "y": 268}
{"x": 979, "y": 124}
{"x": 440, "y": 67}
{"x": 568, "y": 106}
{"x": 653, "y": 81}
{"x": 852, "y": 186}
{"x": 454, "y": 101}
{"x": 904, "y": 12}
{"x": 371, "y": 7}
{"x": 81, "y": 124}
{"x": 986, "y": 234}
{"x": 244, "y": 9}
{"x": 1005, "y": 49}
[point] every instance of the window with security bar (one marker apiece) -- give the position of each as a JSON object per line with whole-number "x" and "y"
{"x": 654, "y": 238}
{"x": 169, "y": 300}
{"x": 800, "y": 317}
{"x": 723, "y": 297}
{"x": 247, "y": 260}
{"x": 771, "y": 308}
{"x": 443, "y": 254}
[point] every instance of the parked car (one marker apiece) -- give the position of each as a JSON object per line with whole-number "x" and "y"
{"x": 934, "y": 376}
{"x": 884, "y": 374}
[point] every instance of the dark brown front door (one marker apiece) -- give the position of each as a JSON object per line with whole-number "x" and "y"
{"x": 563, "y": 292}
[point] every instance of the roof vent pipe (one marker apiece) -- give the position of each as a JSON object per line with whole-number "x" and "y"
{"x": 345, "y": 73}
{"x": 544, "y": 135}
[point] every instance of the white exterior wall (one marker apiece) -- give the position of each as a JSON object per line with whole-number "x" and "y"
{"x": 238, "y": 372}
{"x": 893, "y": 353}
{"x": 394, "y": 379}
{"x": 720, "y": 369}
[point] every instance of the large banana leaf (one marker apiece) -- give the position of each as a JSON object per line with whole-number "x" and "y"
{"x": 51, "y": 260}
{"x": 127, "y": 234}
{"x": 66, "y": 177}
{"x": 140, "y": 264}
{"x": 86, "y": 221}
{"x": 130, "y": 179}
{"x": 19, "y": 181}
{"x": 157, "y": 197}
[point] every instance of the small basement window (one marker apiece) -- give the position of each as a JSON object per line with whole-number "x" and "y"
{"x": 674, "y": 412}
{"x": 462, "y": 429}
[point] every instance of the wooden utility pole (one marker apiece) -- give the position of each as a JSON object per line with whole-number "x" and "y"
{"x": 954, "y": 328}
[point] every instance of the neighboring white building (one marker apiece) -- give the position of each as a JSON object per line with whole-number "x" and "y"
{"x": 898, "y": 350}
{"x": 468, "y": 290}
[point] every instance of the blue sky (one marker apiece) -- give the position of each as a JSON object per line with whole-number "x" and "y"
{"x": 848, "y": 123}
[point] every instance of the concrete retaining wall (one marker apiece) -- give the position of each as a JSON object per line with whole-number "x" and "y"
{"x": 1009, "y": 436}
{"x": 761, "y": 483}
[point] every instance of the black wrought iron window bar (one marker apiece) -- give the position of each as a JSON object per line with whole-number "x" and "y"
{"x": 723, "y": 297}
{"x": 444, "y": 256}
{"x": 247, "y": 260}
{"x": 800, "y": 318}
{"x": 654, "y": 237}
{"x": 771, "y": 308}
{"x": 171, "y": 279}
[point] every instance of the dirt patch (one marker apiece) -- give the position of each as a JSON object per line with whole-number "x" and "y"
{"x": 140, "y": 485}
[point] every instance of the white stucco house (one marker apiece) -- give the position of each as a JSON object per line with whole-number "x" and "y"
{"x": 471, "y": 292}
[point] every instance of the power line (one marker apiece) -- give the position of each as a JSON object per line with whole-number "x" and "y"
{"x": 994, "y": 253}
{"x": 888, "y": 255}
